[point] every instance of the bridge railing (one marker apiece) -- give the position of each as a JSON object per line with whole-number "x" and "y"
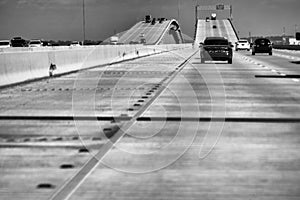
{"x": 25, "y": 64}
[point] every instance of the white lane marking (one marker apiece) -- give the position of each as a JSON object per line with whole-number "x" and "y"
{"x": 286, "y": 56}
{"x": 273, "y": 70}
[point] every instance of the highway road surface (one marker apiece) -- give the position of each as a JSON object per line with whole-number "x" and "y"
{"x": 182, "y": 130}
{"x": 150, "y": 32}
{"x": 223, "y": 28}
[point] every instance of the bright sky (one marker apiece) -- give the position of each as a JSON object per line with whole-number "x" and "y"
{"x": 62, "y": 19}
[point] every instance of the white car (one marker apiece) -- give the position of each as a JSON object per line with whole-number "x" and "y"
{"x": 243, "y": 45}
{"x": 4, "y": 44}
{"x": 35, "y": 43}
{"x": 213, "y": 16}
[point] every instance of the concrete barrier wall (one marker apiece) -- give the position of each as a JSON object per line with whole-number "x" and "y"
{"x": 23, "y": 64}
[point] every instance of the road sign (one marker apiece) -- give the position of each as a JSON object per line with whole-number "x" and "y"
{"x": 220, "y": 7}
{"x": 214, "y": 7}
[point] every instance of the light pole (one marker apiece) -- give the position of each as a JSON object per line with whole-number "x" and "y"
{"x": 196, "y": 14}
{"x": 83, "y": 21}
{"x": 178, "y": 4}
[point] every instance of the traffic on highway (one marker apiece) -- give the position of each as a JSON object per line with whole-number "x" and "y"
{"x": 153, "y": 113}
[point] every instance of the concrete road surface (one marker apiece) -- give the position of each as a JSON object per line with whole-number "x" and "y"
{"x": 213, "y": 131}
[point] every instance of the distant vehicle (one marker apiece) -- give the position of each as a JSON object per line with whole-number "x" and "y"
{"x": 143, "y": 41}
{"x": 214, "y": 26}
{"x": 242, "y": 45}
{"x": 148, "y": 19}
{"x": 134, "y": 42}
{"x": 298, "y": 36}
{"x": 114, "y": 40}
{"x": 45, "y": 43}
{"x": 216, "y": 48}
{"x": 262, "y": 45}
{"x": 161, "y": 20}
{"x": 35, "y": 43}
{"x": 4, "y": 44}
{"x": 75, "y": 44}
{"x": 153, "y": 21}
{"x": 213, "y": 16}
{"x": 207, "y": 19}
{"x": 18, "y": 42}
{"x": 55, "y": 44}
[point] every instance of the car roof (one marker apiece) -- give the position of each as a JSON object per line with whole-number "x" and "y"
{"x": 215, "y": 38}
{"x": 261, "y": 39}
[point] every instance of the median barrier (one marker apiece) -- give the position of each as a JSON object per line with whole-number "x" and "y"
{"x": 19, "y": 65}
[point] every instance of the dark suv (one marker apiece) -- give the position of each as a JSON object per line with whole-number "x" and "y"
{"x": 262, "y": 45}
{"x": 18, "y": 42}
{"x": 216, "y": 48}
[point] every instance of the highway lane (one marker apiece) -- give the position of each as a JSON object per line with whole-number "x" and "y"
{"x": 151, "y": 32}
{"x": 282, "y": 62}
{"x": 223, "y": 29}
{"x": 253, "y": 157}
{"x": 256, "y": 155}
{"x": 130, "y": 32}
{"x": 41, "y": 136}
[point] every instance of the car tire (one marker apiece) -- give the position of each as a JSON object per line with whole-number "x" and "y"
{"x": 230, "y": 61}
{"x": 248, "y": 49}
{"x": 253, "y": 53}
{"x": 270, "y": 53}
{"x": 237, "y": 50}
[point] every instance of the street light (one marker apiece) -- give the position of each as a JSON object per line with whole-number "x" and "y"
{"x": 83, "y": 21}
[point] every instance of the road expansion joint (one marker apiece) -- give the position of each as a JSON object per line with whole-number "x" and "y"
{"x": 143, "y": 103}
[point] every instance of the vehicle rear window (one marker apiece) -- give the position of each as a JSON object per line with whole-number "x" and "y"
{"x": 35, "y": 42}
{"x": 215, "y": 42}
{"x": 262, "y": 41}
{"x": 4, "y": 43}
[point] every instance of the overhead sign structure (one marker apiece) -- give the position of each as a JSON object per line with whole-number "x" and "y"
{"x": 214, "y": 7}
{"x": 220, "y": 7}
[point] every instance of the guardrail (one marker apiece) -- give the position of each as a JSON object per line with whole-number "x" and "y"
{"x": 24, "y": 64}
{"x": 236, "y": 33}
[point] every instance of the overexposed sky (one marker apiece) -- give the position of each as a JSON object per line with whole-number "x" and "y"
{"x": 62, "y": 19}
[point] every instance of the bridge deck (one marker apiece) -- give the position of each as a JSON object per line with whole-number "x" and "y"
{"x": 256, "y": 155}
